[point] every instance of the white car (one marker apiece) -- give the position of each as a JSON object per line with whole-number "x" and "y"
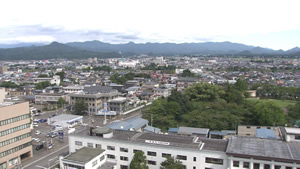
{"x": 50, "y": 146}
{"x": 37, "y": 140}
{"x": 37, "y": 132}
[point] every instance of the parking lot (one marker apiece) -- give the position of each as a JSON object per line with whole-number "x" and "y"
{"x": 40, "y": 132}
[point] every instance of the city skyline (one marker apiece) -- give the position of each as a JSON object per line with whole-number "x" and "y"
{"x": 271, "y": 24}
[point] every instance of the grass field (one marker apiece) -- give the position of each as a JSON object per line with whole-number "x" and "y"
{"x": 281, "y": 103}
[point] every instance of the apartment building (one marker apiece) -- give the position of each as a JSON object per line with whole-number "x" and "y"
{"x": 53, "y": 80}
{"x": 15, "y": 133}
{"x": 120, "y": 146}
{"x": 185, "y": 82}
{"x": 94, "y": 97}
{"x": 238, "y": 152}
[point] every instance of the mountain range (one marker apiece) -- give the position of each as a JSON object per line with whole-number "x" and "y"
{"x": 99, "y": 49}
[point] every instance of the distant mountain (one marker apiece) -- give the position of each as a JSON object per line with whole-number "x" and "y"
{"x": 52, "y": 51}
{"x": 21, "y": 45}
{"x": 165, "y": 48}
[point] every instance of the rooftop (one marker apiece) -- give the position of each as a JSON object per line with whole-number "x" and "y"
{"x": 290, "y": 130}
{"x": 191, "y": 130}
{"x": 264, "y": 148}
{"x": 84, "y": 155}
{"x": 65, "y": 117}
{"x": 189, "y": 142}
{"x": 97, "y": 89}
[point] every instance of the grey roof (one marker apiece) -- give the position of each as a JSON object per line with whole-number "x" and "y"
{"x": 65, "y": 117}
{"x": 84, "y": 155}
{"x": 172, "y": 140}
{"x": 133, "y": 88}
{"x": 133, "y": 123}
{"x": 97, "y": 89}
{"x": 151, "y": 129}
{"x": 187, "y": 79}
{"x": 264, "y": 148}
{"x": 191, "y": 130}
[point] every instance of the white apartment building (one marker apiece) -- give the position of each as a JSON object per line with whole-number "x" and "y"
{"x": 53, "y": 80}
{"x": 239, "y": 152}
{"x": 73, "y": 89}
{"x": 193, "y": 152}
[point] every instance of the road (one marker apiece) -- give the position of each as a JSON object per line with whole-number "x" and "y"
{"x": 46, "y": 158}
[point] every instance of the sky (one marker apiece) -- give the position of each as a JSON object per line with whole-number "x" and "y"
{"x": 267, "y": 23}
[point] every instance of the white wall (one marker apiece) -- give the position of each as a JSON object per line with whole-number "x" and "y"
{"x": 190, "y": 153}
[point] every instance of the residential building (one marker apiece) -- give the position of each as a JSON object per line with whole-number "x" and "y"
{"x": 3, "y": 69}
{"x": 84, "y": 158}
{"x": 53, "y": 80}
{"x": 120, "y": 145}
{"x": 119, "y": 104}
{"x": 94, "y": 97}
{"x": 291, "y": 134}
{"x": 48, "y": 98}
{"x": 15, "y": 133}
{"x": 73, "y": 89}
{"x": 162, "y": 92}
{"x": 185, "y": 82}
{"x": 244, "y": 130}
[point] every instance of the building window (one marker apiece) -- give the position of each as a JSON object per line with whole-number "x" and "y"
{"x": 194, "y": 167}
{"x": 13, "y": 161}
{"x": 102, "y": 158}
{"x": 165, "y": 155}
{"x": 288, "y": 167}
{"x": 123, "y": 158}
{"x": 151, "y": 153}
{"x": 3, "y": 165}
{"x": 236, "y": 163}
{"x": 124, "y": 167}
{"x": 258, "y": 127}
{"x": 124, "y": 149}
{"x": 111, "y": 148}
{"x": 277, "y": 167}
{"x": 266, "y": 166}
{"x": 98, "y": 146}
{"x": 214, "y": 160}
{"x": 78, "y": 143}
{"x": 110, "y": 156}
{"x": 181, "y": 157}
{"x": 135, "y": 150}
{"x": 90, "y": 145}
{"x": 297, "y": 137}
{"x": 248, "y": 127}
{"x": 94, "y": 163}
{"x": 194, "y": 159}
{"x": 245, "y": 164}
{"x": 151, "y": 162}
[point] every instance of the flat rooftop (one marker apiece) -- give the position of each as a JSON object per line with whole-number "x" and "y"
{"x": 264, "y": 148}
{"x": 290, "y": 130}
{"x": 84, "y": 155}
{"x": 10, "y": 103}
{"x": 172, "y": 140}
{"x": 65, "y": 117}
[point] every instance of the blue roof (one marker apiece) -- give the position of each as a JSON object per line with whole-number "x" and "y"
{"x": 151, "y": 129}
{"x": 138, "y": 122}
{"x": 265, "y": 133}
{"x": 173, "y": 130}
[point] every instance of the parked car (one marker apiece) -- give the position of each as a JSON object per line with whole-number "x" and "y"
{"x": 38, "y": 147}
{"x": 50, "y": 146}
{"x": 35, "y": 125}
{"x": 37, "y": 132}
{"x": 43, "y": 120}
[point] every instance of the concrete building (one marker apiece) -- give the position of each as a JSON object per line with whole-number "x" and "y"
{"x": 120, "y": 145}
{"x": 185, "y": 82}
{"x": 119, "y": 104}
{"x": 238, "y": 152}
{"x": 15, "y": 133}
{"x": 65, "y": 120}
{"x": 291, "y": 134}
{"x": 252, "y": 130}
{"x": 85, "y": 158}
{"x": 48, "y": 98}
{"x": 73, "y": 89}
{"x": 53, "y": 80}
{"x": 94, "y": 97}
{"x": 162, "y": 92}
{"x": 257, "y": 153}
{"x": 3, "y": 69}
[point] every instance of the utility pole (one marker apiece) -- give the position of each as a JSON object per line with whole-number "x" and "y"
{"x": 151, "y": 119}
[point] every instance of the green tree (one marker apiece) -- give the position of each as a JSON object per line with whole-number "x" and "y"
{"x": 61, "y": 75}
{"x": 9, "y": 84}
{"x": 204, "y": 92}
{"x": 60, "y": 102}
{"x": 294, "y": 111}
{"x": 187, "y": 73}
{"x": 80, "y": 107}
{"x": 241, "y": 85}
{"x": 139, "y": 161}
{"x": 269, "y": 113}
{"x": 171, "y": 163}
{"x": 42, "y": 85}
{"x": 43, "y": 75}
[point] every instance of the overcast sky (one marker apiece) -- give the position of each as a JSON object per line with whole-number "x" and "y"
{"x": 266, "y": 23}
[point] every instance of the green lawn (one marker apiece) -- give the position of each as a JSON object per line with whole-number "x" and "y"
{"x": 281, "y": 103}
